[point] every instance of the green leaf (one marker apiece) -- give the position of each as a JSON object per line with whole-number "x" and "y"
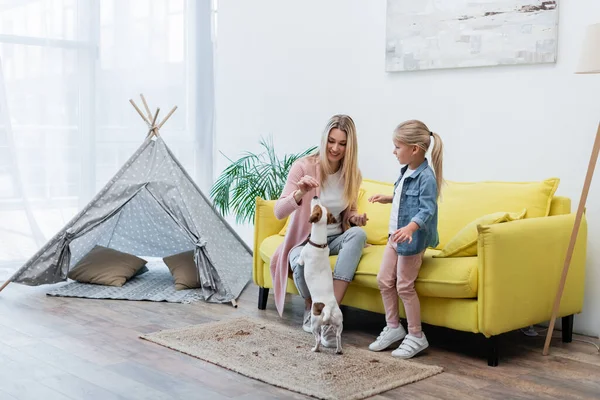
{"x": 252, "y": 175}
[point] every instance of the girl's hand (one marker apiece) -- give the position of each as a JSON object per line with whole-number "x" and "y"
{"x": 380, "y": 198}
{"x": 307, "y": 183}
{"x": 360, "y": 219}
{"x": 405, "y": 233}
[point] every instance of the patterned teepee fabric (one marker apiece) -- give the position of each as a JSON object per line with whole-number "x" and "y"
{"x": 151, "y": 207}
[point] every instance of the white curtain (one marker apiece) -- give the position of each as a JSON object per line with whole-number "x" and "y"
{"x": 66, "y": 125}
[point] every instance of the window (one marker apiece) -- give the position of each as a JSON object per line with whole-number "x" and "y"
{"x": 70, "y": 68}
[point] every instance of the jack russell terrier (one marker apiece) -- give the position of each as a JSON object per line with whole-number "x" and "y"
{"x": 319, "y": 278}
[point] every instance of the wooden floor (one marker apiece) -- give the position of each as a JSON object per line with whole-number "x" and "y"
{"x": 64, "y": 348}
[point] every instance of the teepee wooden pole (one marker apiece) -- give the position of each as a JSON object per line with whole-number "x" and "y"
{"x": 139, "y": 112}
{"x": 154, "y": 128}
{"x": 5, "y": 284}
{"x": 571, "y": 248}
{"x": 167, "y": 117}
{"x": 146, "y": 106}
{"x": 155, "y": 117}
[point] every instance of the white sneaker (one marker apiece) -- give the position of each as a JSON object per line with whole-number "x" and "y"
{"x": 411, "y": 346}
{"x": 328, "y": 338}
{"x": 306, "y": 324}
{"x": 387, "y": 337}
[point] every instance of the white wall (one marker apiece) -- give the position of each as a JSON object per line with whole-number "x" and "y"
{"x": 284, "y": 67}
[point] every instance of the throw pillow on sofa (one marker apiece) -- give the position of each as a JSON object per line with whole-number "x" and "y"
{"x": 377, "y": 213}
{"x": 104, "y": 266}
{"x": 462, "y": 202}
{"x": 184, "y": 270}
{"x": 464, "y": 244}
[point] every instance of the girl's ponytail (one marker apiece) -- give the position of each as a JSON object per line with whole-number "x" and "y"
{"x": 437, "y": 156}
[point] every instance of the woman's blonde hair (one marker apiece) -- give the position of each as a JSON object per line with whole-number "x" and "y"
{"x": 416, "y": 133}
{"x": 349, "y": 164}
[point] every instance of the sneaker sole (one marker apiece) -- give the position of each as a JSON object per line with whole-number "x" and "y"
{"x": 411, "y": 356}
{"x": 388, "y": 346}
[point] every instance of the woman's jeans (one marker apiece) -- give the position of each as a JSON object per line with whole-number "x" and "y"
{"x": 348, "y": 246}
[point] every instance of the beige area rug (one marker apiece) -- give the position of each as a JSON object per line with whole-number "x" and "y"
{"x": 281, "y": 356}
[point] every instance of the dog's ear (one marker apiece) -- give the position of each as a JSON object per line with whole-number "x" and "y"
{"x": 330, "y": 218}
{"x": 317, "y": 308}
{"x": 317, "y": 212}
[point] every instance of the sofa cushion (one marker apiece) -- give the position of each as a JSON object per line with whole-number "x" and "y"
{"x": 268, "y": 246}
{"x": 439, "y": 277}
{"x": 378, "y": 214}
{"x": 463, "y": 202}
{"x": 464, "y": 243}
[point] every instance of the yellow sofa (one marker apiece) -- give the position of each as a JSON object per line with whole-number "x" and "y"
{"x": 510, "y": 282}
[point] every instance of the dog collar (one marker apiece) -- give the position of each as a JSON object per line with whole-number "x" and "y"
{"x": 320, "y": 246}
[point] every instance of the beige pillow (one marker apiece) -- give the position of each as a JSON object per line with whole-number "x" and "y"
{"x": 184, "y": 270}
{"x": 104, "y": 266}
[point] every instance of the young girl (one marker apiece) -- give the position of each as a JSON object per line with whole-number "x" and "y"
{"x": 412, "y": 228}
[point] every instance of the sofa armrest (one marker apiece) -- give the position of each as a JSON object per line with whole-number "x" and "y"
{"x": 560, "y": 205}
{"x": 520, "y": 265}
{"x": 265, "y": 225}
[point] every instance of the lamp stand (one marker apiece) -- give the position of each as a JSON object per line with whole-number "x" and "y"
{"x": 582, "y": 200}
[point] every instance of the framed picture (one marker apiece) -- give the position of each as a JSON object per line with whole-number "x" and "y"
{"x": 431, "y": 34}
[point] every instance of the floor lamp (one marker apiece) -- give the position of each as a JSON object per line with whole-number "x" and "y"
{"x": 589, "y": 63}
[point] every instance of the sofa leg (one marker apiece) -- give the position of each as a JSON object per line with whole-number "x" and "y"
{"x": 492, "y": 345}
{"x": 567, "y": 328}
{"x": 263, "y": 295}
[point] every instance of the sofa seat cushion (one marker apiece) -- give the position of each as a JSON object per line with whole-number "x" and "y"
{"x": 439, "y": 277}
{"x": 454, "y": 277}
{"x": 268, "y": 246}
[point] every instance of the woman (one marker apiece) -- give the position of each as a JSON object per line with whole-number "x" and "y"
{"x": 333, "y": 175}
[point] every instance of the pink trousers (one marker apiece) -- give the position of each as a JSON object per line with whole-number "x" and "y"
{"x": 396, "y": 278}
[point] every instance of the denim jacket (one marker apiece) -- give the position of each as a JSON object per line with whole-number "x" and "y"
{"x": 418, "y": 203}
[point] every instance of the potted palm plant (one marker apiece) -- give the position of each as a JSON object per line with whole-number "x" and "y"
{"x": 252, "y": 175}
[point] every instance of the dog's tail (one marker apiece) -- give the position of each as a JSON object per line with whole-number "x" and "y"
{"x": 320, "y": 308}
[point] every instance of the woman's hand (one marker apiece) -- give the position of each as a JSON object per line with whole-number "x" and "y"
{"x": 380, "y": 198}
{"x": 307, "y": 183}
{"x": 405, "y": 233}
{"x": 359, "y": 220}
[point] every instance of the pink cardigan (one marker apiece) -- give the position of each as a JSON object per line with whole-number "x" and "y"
{"x": 299, "y": 227}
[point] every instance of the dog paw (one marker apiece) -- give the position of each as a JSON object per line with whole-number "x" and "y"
{"x": 339, "y": 351}
{"x": 315, "y": 349}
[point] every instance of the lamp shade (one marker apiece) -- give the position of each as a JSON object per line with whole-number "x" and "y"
{"x": 589, "y": 61}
